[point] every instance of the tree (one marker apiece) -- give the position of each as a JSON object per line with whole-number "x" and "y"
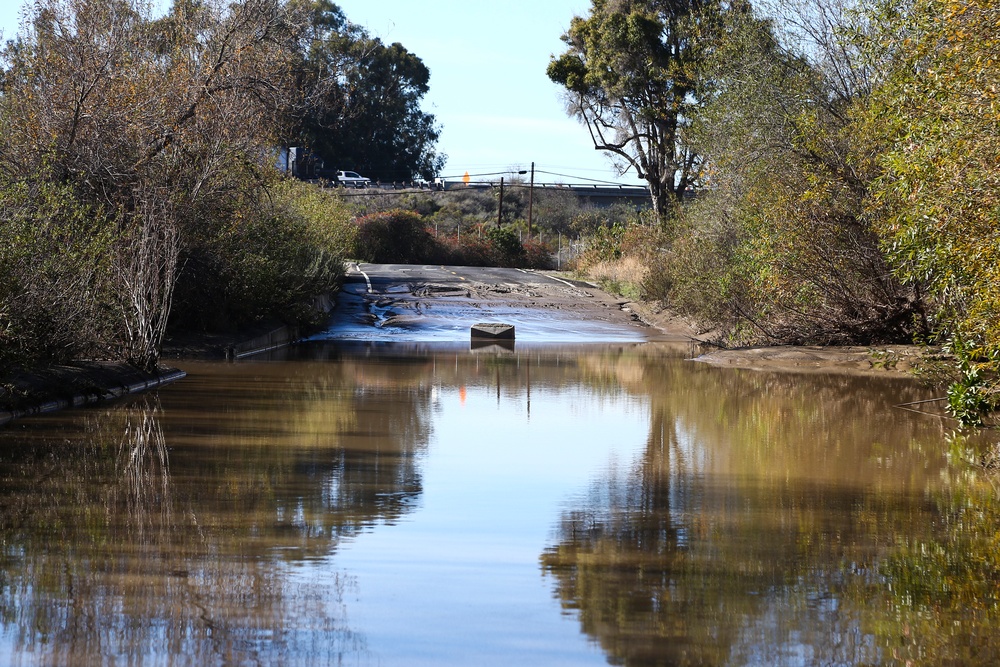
{"x": 54, "y": 263}
{"x": 364, "y": 112}
{"x": 935, "y": 142}
{"x": 632, "y": 76}
{"x": 149, "y": 124}
{"x": 781, "y": 232}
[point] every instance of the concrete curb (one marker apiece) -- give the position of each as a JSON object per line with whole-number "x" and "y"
{"x": 109, "y": 393}
{"x": 272, "y": 340}
{"x": 278, "y": 338}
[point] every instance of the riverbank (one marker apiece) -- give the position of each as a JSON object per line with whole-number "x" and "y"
{"x": 37, "y": 391}
{"x": 86, "y": 383}
{"x": 865, "y": 360}
{"x": 75, "y": 385}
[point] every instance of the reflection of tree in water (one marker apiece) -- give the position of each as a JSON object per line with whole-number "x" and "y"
{"x": 937, "y": 598}
{"x": 622, "y": 564}
{"x": 754, "y": 528}
{"x": 142, "y": 467}
{"x": 307, "y": 453}
{"x": 167, "y": 530}
{"x": 738, "y": 535}
{"x": 103, "y": 559}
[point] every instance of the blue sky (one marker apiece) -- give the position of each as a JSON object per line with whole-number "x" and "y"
{"x": 488, "y": 87}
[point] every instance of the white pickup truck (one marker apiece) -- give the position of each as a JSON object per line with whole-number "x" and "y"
{"x": 352, "y": 179}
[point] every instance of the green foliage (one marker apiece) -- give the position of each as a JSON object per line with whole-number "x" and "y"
{"x": 324, "y": 214}
{"x": 777, "y": 250}
{"x": 633, "y": 74}
{"x": 156, "y": 128}
{"x": 605, "y": 244}
{"x": 933, "y": 134}
{"x": 366, "y": 115}
{"x": 131, "y": 177}
{"x": 465, "y": 207}
{"x": 587, "y": 221}
{"x": 506, "y": 247}
{"x": 970, "y": 396}
{"x": 395, "y": 236}
{"x": 625, "y": 257}
{"x": 265, "y": 259}
{"x": 55, "y": 296}
{"x": 702, "y": 274}
{"x": 966, "y": 399}
{"x": 460, "y": 218}
{"x": 423, "y": 203}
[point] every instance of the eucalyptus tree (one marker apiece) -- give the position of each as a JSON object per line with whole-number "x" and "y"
{"x": 362, "y": 111}
{"x": 633, "y": 75}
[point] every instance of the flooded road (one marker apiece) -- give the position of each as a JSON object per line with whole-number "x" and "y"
{"x": 430, "y": 504}
{"x": 391, "y": 302}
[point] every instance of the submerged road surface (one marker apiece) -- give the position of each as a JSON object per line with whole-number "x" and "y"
{"x": 393, "y": 302}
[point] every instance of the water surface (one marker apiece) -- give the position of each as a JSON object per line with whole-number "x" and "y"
{"x": 379, "y": 504}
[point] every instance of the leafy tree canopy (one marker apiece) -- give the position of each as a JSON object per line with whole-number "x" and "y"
{"x": 632, "y": 73}
{"x": 364, "y": 112}
{"x": 935, "y": 133}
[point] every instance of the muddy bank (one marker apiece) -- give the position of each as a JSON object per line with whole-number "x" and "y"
{"x": 905, "y": 359}
{"x": 878, "y": 360}
{"x": 58, "y": 387}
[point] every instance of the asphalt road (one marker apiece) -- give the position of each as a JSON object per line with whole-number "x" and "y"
{"x": 408, "y": 303}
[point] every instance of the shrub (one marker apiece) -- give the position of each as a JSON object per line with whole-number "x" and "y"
{"x": 537, "y": 255}
{"x": 505, "y": 247}
{"x": 55, "y": 298}
{"x": 605, "y": 244}
{"x": 263, "y": 258}
{"x": 468, "y": 248}
{"x": 395, "y": 236}
{"x": 324, "y": 213}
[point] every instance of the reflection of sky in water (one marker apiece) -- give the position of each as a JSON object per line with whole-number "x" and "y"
{"x": 377, "y": 504}
{"x": 526, "y": 332}
{"x": 527, "y": 329}
{"x": 457, "y": 581}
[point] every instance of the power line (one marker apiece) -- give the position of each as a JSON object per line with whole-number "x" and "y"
{"x": 573, "y": 177}
{"x": 580, "y": 178}
{"x": 492, "y": 173}
{"x": 480, "y": 186}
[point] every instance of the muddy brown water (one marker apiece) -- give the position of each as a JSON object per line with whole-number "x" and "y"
{"x": 378, "y": 504}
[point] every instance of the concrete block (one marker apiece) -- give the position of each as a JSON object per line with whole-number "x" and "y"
{"x": 490, "y": 330}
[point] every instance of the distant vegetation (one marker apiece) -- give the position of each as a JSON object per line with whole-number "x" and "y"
{"x": 465, "y": 226}
{"x": 362, "y": 111}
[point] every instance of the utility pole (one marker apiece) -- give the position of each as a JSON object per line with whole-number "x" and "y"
{"x": 500, "y": 207}
{"x": 531, "y": 197}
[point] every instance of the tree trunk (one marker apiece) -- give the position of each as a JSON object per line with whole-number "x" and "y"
{"x": 147, "y": 270}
